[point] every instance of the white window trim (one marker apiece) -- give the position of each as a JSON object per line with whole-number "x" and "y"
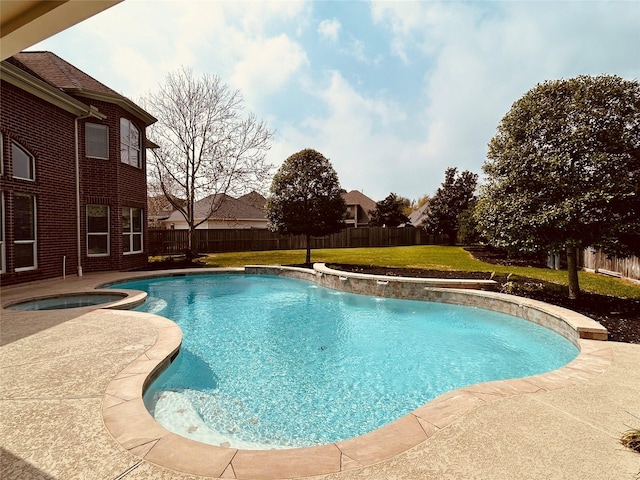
{"x": 33, "y": 162}
{"x": 35, "y": 254}
{"x": 130, "y": 233}
{"x": 106, "y": 129}
{"x": 129, "y": 145}
{"x": 33, "y": 242}
{"x": 99, "y": 234}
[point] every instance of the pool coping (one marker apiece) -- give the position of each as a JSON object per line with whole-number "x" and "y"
{"x": 129, "y": 299}
{"x": 132, "y": 426}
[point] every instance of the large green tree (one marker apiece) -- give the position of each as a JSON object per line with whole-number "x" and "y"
{"x": 563, "y": 171}
{"x": 452, "y": 198}
{"x": 389, "y": 212}
{"x": 306, "y": 198}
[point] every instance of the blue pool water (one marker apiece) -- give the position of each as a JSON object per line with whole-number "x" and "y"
{"x": 67, "y": 301}
{"x": 271, "y": 362}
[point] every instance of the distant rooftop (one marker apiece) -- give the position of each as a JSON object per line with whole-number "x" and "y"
{"x": 356, "y": 197}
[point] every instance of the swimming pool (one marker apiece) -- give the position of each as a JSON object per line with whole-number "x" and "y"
{"x": 271, "y": 362}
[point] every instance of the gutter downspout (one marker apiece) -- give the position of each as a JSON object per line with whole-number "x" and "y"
{"x": 91, "y": 113}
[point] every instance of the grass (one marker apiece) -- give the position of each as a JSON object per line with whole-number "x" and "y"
{"x": 430, "y": 257}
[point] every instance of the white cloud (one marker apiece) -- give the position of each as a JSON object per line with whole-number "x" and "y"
{"x": 486, "y": 56}
{"x": 329, "y": 29}
{"x": 350, "y": 136}
{"x": 417, "y": 25}
{"x": 139, "y": 42}
{"x": 256, "y": 16}
{"x": 478, "y": 59}
{"x": 266, "y": 65}
{"x": 356, "y": 49}
{"x": 462, "y": 65}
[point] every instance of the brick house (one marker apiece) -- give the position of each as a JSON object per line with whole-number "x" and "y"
{"x": 72, "y": 172}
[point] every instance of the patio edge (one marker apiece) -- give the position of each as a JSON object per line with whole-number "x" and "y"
{"x": 133, "y": 427}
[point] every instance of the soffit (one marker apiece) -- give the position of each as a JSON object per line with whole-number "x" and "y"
{"x": 26, "y": 22}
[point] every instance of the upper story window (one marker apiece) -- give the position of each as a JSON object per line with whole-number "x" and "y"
{"x": 96, "y": 140}
{"x": 349, "y": 213}
{"x": 129, "y": 143}
{"x": 24, "y": 165}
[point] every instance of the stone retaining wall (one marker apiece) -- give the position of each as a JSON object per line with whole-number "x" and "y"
{"x": 571, "y": 325}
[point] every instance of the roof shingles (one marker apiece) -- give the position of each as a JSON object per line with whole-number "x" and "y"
{"x": 230, "y": 208}
{"x": 60, "y": 74}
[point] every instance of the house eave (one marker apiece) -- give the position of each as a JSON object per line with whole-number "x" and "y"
{"x": 23, "y": 80}
{"x": 150, "y": 144}
{"x": 27, "y": 22}
{"x": 119, "y": 100}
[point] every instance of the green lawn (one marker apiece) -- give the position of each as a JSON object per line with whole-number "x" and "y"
{"x": 431, "y": 257}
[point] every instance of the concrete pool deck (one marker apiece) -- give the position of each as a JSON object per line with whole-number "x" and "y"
{"x": 58, "y": 366}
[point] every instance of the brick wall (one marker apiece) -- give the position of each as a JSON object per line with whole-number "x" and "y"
{"x": 111, "y": 182}
{"x": 47, "y": 132}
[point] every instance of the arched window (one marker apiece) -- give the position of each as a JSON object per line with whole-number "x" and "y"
{"x": 24, "y": 165}
{"x": 129, "y": 143}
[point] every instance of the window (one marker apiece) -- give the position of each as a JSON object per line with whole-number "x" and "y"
{"x": 23, "y": 163}
{"x": 129, "y": 143}
{"x": 97, "y": 230}
{"x": 96, "y": 141}
{"x": 2, "y": 256}
{"x": 24, "y": 230}
{"x": 131, "y": 230}
{"x": 349, "y": 213}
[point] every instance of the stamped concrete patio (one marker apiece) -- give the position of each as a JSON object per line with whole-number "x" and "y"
{"x": 57, "y": 367}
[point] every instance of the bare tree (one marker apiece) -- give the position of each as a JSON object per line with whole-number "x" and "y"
{"x": 207, "y": 147}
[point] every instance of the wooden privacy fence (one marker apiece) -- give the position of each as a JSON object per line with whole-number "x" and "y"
{"x": 628, "y": 267}
{"x": 170, "y": 242}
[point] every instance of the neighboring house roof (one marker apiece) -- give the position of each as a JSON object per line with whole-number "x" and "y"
{"x": 63, "y": 76}
{"x": 159, "y": 207}
{"x": 230, "y": 208}
{"x": 358, "y": 207}
{"x": 417, "y": 216}
{"x": 356, "y": 197}
{"x": 255, "y": 199}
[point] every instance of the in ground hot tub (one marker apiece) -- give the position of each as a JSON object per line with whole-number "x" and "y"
{"x": 73, "y": 300}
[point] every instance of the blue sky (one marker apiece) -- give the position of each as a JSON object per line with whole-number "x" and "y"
{"x": 391, "y": 92}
